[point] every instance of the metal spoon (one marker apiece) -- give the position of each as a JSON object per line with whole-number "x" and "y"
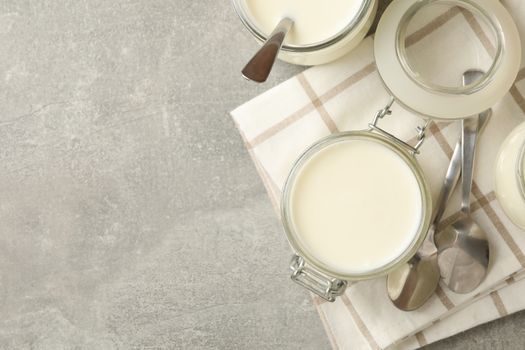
{"x": 463, "y": 246}
{"x": 259, "y": 67}
{"x": 410, "y": 286}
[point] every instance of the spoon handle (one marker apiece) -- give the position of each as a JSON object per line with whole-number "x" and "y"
{"x": 259, "y": 67}
{"x": 429, "y": 248}
{"x": 468, "y": 139}
{"x": 451, "y": 179}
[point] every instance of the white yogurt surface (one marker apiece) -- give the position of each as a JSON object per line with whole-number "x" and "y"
{"x": 314, "y": 20}
{"x": 356, "y": 206}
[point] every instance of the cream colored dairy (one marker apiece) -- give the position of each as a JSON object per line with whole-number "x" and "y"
{"x": 356, "y": 206}
{"x": 508, "y": 178}
{"x": 314, "y": 20}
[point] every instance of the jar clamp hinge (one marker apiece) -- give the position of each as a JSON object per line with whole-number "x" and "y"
{"x": 387, "y": 111}
{"x": 326, "y": 287}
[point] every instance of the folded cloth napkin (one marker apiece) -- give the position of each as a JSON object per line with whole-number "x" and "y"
{"x": 344, "y": 95}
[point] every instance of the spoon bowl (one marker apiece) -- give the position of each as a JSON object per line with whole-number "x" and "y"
{"x": 410, "y": 286}
{"x": 463, "y": 255}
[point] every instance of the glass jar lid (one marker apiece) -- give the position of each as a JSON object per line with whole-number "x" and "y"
{"x": 423, "y": 47}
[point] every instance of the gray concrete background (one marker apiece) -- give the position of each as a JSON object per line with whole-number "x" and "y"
{"x": 131, "y": 215}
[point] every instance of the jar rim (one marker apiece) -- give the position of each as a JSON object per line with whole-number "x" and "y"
{"x": 260, "y": 36}
{"x": 468, "y": 5}
{"x": 409, "y": 159}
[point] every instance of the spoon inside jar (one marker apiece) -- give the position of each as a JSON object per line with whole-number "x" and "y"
{"x": 259, "y": 67}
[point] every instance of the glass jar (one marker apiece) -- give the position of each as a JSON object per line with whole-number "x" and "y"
{"x": 317, "y": 272}
{"x": 323, "y": 51}
{"x": 510, "y": 176}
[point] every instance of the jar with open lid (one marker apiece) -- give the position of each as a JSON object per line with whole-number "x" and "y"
{"x": 322, "y": 31}
{"x": 356, "y": 205}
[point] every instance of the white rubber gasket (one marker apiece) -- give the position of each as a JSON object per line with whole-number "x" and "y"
{"x": 436, "y": 104}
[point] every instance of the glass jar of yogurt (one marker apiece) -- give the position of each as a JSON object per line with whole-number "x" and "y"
{"x": 510, "y": 176}
{"x": 322, "y": 31}
{"x": 355, "y": 206}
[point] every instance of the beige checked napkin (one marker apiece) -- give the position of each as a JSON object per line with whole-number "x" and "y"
{"x": 344, "y": 95}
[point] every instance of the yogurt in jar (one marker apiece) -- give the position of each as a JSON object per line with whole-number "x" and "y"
{"x": 314, "y": 20}
{"x": 356, "y": 206}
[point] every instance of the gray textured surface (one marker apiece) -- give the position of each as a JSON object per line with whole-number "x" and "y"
{"x": 131, "y": 214}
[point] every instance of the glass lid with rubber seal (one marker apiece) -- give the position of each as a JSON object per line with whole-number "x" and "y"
{"x": 423, "y": 47}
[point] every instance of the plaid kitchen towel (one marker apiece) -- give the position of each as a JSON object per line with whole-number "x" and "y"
{"x": 344, "y": 95}
{"x": 498, "y": 303}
